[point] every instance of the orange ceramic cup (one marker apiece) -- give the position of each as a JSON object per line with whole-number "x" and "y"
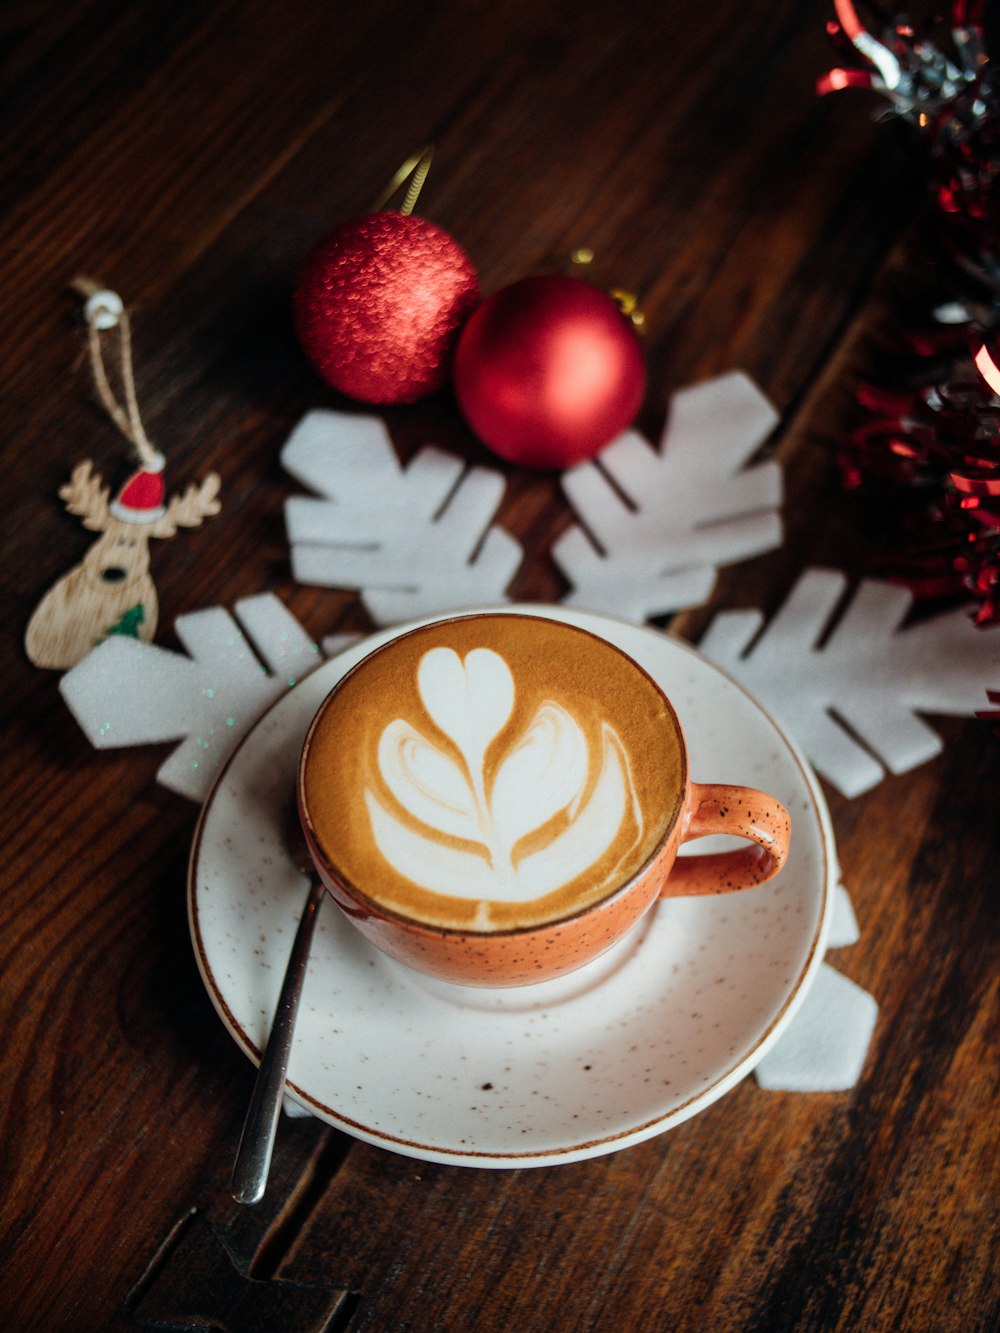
{"x": 497, "y": 799}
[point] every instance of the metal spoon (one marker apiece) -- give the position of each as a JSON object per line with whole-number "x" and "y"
{"x": 253, "y": 1157}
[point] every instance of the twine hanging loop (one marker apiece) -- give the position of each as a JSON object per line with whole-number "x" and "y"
{"x": 105, "y": 312}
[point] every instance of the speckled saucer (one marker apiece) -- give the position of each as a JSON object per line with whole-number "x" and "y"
{"x": 633, "y": 1044}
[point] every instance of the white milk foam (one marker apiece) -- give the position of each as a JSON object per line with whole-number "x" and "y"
{"x": 547, "y": 770}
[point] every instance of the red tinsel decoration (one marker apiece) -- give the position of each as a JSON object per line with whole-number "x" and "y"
{"x": 931, "y": 460}
{"x": 928, "y": 456}
{"x": 950, "y": 97}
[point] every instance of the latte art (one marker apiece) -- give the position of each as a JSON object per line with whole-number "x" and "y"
{"x": 491, "y": 772}
{"x": 514, "y": 847}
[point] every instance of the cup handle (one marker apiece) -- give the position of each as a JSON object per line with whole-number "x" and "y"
{"x": 744, "y": 812}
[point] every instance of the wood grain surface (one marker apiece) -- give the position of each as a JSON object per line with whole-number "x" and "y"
{"x": 189, "y": 155}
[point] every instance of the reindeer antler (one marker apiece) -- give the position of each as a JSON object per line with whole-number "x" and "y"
{"x": 190, "y": 509}
{"x": 86, "y": 495}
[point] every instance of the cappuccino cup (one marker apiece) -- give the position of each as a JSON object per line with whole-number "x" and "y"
{"x": 496, "y": 799}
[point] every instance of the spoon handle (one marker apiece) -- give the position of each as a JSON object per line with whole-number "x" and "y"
{"x": 253, "y": 1157}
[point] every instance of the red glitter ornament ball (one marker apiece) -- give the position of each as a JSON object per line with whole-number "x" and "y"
{"x": 379, "y": 303}
{"x": 547, "y": 371}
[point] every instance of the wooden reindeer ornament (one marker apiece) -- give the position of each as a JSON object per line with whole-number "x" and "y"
{"x": 111, "y": 590}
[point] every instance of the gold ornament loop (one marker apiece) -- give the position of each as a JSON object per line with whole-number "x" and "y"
{"x": 414, "y": 170}
{"x": 628, "y": 304}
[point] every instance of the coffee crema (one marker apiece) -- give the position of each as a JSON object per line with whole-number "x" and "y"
{"x": 492, "y": 772}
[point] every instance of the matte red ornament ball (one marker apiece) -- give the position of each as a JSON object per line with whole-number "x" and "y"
{"x": 379, "y": 303}
{"x": 547, "y": 371}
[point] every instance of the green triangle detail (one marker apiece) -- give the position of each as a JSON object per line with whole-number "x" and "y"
{"x": 129, "y": 623}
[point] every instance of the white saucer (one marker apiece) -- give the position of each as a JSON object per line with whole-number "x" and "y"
{"x": 624, "y": 1049}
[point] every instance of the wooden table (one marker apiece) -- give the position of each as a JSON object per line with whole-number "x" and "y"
{"x": 189, "y": 155}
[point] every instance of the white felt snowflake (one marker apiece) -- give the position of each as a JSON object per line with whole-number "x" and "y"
{"x": 824, "y": 1047}
{"x": 826, "y": 1044}
{"x": 129, "y": 693}
{"x": 414, "y": 541}
{"x": 851, "y": 698}
{"x": 657, "y": 525}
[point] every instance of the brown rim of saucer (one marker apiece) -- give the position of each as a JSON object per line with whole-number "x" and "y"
{"x": 379, "y": 909}
{"x": 602, "y": 1143}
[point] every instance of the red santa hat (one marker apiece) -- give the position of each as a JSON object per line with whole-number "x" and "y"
{"x": 140, "y": 500}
